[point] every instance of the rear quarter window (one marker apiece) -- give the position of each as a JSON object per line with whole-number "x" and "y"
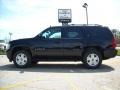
{"x": 99, "y": 32}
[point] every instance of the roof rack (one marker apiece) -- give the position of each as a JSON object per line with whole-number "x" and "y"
{"x": 84, "y": 25}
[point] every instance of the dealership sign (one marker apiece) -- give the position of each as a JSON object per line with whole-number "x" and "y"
{"x": 64, "y": 15}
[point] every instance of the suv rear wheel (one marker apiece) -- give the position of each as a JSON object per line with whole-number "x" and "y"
{"x": 22, "y": 59}
{"x": 92, "y": 58}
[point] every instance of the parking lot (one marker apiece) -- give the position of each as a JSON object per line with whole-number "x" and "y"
{"x": 60, "y": 76}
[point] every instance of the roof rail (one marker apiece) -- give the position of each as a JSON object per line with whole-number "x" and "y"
{"x": 84, "y": 25}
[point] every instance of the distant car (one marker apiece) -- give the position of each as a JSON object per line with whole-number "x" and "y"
{"x": 3, "y": 45}
{"x": 89, "y": 44}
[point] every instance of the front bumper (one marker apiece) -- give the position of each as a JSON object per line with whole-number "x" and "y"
{"x": 2, "y": 47}
{"x": 110, "y": 52}
{"x": 9, "y": 54}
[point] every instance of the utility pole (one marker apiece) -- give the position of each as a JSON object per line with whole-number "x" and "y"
{"x": 85, "y": 6}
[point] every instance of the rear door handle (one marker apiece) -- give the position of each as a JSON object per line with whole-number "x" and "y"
{"x": 57, "y": 42}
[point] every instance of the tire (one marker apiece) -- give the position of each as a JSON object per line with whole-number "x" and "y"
{"x": 92, "y": 59}
{"x": 22, "y": 59}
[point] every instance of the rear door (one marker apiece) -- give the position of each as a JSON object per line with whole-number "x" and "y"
{"x": 72, "y": 41}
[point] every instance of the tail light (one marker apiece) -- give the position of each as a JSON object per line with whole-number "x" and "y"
{"x": 114, "y": 43}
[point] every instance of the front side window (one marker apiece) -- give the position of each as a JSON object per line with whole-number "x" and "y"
{"x": 52, "y": 33}
{"x": 56, "y": 35}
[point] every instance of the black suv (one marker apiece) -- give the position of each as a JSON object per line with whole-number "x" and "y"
{"x": 89, "y": 44}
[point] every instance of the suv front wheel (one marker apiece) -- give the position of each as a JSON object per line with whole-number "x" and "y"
{"x": 22, "y": 59}
{"x": 92, "y": 58}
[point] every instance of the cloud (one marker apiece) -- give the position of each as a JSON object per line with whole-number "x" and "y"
{"x": 25, "y": 6}
{"x": 29, "y": 17}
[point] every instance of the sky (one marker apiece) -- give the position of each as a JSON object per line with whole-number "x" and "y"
{"x": 27, "y": 18}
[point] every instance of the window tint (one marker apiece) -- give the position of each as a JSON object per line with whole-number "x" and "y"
{"x": 52, "y": 33}
{"x": 98, "y": 32}
{"x": 73, "y": 32}
{"x": 55, "y": 35}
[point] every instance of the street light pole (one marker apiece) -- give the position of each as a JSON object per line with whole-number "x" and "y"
{"x": 10, "y": 35}
{"x": 85, "y": 6}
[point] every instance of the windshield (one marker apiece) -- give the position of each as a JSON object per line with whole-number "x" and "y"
{"x": 2, "y": 41}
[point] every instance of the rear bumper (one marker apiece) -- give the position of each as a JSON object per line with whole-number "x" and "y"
{"x": 109, "y": 53}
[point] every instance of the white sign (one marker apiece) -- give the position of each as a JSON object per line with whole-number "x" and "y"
{"x": 64, "y": 15}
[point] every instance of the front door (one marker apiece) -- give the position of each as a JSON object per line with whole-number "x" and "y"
{"x": 50, "y": 43}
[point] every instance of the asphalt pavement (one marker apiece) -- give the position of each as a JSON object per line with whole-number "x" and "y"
{"x": 60, "y": 76}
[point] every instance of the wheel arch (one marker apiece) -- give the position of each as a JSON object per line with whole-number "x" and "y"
{"x": 98, "y": 48}
{"x": 15, "y": 49}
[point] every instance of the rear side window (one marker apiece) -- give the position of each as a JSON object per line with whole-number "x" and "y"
{"x": 72, "y": 32}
